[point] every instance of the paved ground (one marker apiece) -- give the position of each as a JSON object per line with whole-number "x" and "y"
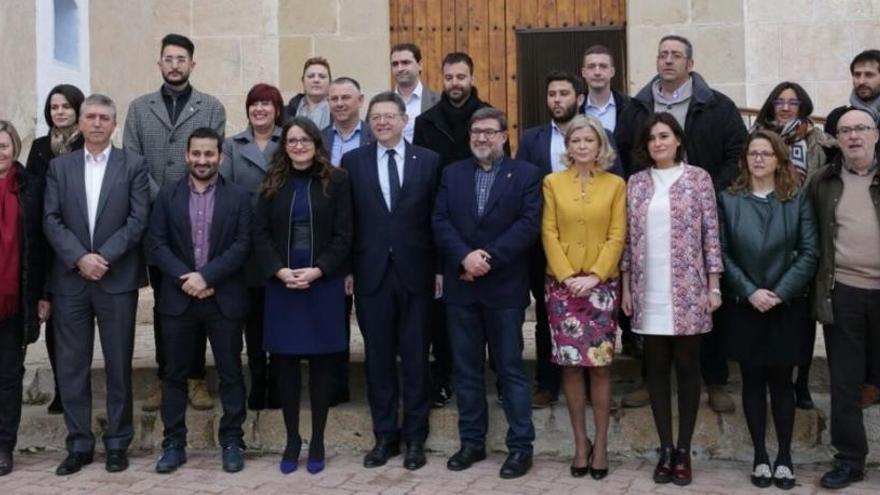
{"x": 34, "y": 474}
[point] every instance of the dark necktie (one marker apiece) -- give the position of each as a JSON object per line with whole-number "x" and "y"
{"x": 393, "y": 179}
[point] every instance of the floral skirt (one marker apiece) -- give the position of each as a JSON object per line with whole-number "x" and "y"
{"x": 582, "y": 329}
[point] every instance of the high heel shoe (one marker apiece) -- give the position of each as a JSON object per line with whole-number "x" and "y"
{"x": 663, "y": 471}
{"x": 315, "y": 466}
{"x": 598, "y": 474}
{"x": 288, "y": 466}
{"x": 290, "y": 457}
{"x": 580, "y": 472}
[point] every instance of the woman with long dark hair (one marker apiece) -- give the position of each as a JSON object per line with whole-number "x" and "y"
{"x": 61, "y": 112}
{"x": 303, "y": 237}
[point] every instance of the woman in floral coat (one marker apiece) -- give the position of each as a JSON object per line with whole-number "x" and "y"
{"x": 583, "y": 228}
{"x": 671, "y": 270}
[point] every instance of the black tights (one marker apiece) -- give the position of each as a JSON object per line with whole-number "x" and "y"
{"x": 660, "y": 354}
{"x": 755, "y": 382}
{"x": 321, "y": 387}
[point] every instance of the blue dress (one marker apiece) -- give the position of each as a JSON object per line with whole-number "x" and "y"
{"x": 302, "y": 322}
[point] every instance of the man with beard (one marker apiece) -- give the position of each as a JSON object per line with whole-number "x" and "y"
{"x": 406, "y": 67}
{"x": 543, "y": 146}
{"x": 443, "y": 129}
{"x": 157, "y": 127}
{"x": 200, "y": 238}
{"x": 865, "y": 70}
{"x": 486, "y": 219}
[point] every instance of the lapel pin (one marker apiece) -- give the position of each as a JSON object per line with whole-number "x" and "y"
{"x": 509, "y": 174}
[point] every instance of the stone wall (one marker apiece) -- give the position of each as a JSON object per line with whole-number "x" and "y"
{"x": 18, "y": 50}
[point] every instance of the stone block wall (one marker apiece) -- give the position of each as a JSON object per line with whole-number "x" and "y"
{"x": 18, "y": 49}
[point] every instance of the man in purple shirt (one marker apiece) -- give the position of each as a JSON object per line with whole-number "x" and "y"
{"x": 200, "y": 237}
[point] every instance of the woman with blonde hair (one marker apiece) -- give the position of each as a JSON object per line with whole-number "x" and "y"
{"x": 583, "y": 230}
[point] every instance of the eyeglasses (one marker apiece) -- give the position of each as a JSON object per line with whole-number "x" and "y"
{"x": 763, "y": 155}
{"x": 780, "y": 103}
{"x": 487, "y": 133}
{"x": 856, "y": 129}
{"x": 294, "y": 142}
{"x": 172, "y": 60}
{"x": 387, "y": 117}
{"x": 675, "y": 55}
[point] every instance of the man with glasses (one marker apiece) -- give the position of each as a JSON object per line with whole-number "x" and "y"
{"x": 846, "y": 291}
{"x": 486, "y": 219}
{"x": 157, "y": 127}
{"x": 714, "y": 136}
{"x": 393, "y": 184}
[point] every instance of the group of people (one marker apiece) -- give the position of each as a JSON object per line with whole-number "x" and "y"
{"x": 661, "y": 213}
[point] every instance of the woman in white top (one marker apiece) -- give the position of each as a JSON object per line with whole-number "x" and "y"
{"x": 670, "y": 272}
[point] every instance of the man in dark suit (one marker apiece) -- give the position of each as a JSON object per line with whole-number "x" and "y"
{"x": 486, "y": 219}
{"x": 347, "y": 131}
{"x": 543, "y": 146}
{"x": 406, "y": 68}
{"x": 96, "y": 208}
{"x": 200, "y": 238}
{"x": 393, "y": 185}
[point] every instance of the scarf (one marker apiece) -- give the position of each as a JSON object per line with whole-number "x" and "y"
{"x": 794, "y": 134}
{"x": 457, "y": 119}
{"x": 10, "y": 244}
{"x": 871, "y": 106}
{"x": 61, "y": 140}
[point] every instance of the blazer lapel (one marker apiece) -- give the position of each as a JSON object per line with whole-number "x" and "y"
{"x": 252, "y": 153}
{"x": 546, "y": 145}
{"x": 220, "y": 216}
{"x": 410, "y": 170}
{"x": 192, "y": 108}
{"x": 372, "y": 171}
{"x": 79, "y": 180}
{"x": 115, "y": 163}
{"x": 180, "y": 216}
{"x": 502, "y": 181}
{"x": 157, "y": 106}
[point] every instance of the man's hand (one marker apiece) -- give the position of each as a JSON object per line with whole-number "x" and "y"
{"x": 438, "y": 286}
{"x": 205, "y": 293}
{"x": 476, "y": 263}
{"x": 92, "y": 266}
{"x": 44, "y": 309}
{"x": 349, "y": 284}
{"x": 193, "y": 283}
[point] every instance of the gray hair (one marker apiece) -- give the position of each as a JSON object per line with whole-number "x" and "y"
{"x": 97, "y": 99}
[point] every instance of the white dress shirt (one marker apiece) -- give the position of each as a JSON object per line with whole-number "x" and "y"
{"x": 382, "y": 163}
{"x": 413, "y": 109}
{"x": 607, "y": 113}
{"x": 557, "y": 147}
{"x": 95, "y": 167}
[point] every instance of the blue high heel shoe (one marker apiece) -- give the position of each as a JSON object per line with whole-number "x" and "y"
{"x": 288, "y": 466}
{"x": 314, "y": 467}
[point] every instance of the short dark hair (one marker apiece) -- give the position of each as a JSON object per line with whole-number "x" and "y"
{"x": 266, "y": 92}
{"x": 865, "y": 56}
{"x": 205, "y": 133}
{"x": 70, "y": 93}
{"x": 689, "y": 47}
{"x": 458, "y": 58}
{"x": 317, "y": 61}
{"x": 767, "y": 114}
{"x": 489, "y": 113}
{"x": 387, "y": 96}
{"x": 408, "y": 47}
{"x": 180, "y": 40}
{"x": 598, "y": 50}
{"x": 348, "y": 80}
{"x": 558, "y": 75}
{"x": 641, "y": 154}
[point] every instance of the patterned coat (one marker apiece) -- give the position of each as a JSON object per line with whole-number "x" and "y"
{"x": 696, "y": 249}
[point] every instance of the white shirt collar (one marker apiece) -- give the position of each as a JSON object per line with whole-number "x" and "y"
{"x": 610, "y": 103}
{"x": 399, "y": 148}
{"x": 416, "y": 94}
{"x": 100, "y": 157}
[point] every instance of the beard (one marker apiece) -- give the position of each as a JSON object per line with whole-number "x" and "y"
{"x": 570, "y": 112}
{"x": 184, "y": 78}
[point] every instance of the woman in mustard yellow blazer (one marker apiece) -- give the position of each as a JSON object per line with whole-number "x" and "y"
{"x": 583, "y": 230}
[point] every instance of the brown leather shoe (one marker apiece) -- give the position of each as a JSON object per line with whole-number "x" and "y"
{"x": 637, "y": 398}
{"x": 542, "y": 399}
{"x": 199, "y": 397}
{"x": 681, "y": 468}
{"x": 663, "y": 471}
{"x": 154, "y": 400}
{"x": 870, "y": 395}
{"x": 719, "y": 400}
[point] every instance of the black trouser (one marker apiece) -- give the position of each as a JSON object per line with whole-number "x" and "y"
{"x": 198, "y": 368}
{"x": 259, "y": 361}
{"x": 713, "y": 360}
{"x": 321, "y": 388}
{"x": 441, "y": 366}
{"x": 661, "y": 352}
{"x": 182, "y": 334}
{"x": 548, "y": 376}
{"x": 756, "y": 380}
{"x": 11, "y": 375}
{"x": 854, "y": 337}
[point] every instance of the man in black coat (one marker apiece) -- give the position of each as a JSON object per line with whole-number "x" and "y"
{"x": 714, "y": 137}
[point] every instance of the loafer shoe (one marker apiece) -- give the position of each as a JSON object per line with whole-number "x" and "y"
{"x": 117, "y": 461}
{"x": 465, "y": 458}
{"x": 384, "y": 449}
{"x": 73, "y": 463}
{"x": 415, "y": 456}
{"x": 761, "y": 476}
{"x": 233, "y": 458}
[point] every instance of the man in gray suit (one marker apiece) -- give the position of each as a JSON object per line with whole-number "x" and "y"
{"x": 347, "y": 131}
{"x": 157, "y": 127}
{"x": 406, "y": 66}
{"x": 96, "y": 208}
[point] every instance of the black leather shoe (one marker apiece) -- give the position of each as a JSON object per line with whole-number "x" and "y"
{"x": 384, "y": 449}
{"x": 516, "y": 465}
{"x": 465, "y": 457}
{"x": 171, "y": 459}
{"x": 117, "y": 461}
{"x": 5, "y": 462}
{"x": 415, "y": 456}
{"x": 73, "y": 463}
{"x": 841, "y": 477}
{"x": 233, "y": 458}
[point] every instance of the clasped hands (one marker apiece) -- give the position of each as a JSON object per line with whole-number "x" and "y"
{"x": 475, "y": 264}
{"x": 581, "y": 285}
{"x": 194, "y": 285}
{"x": 92, "y": 266}
{"x": 299, "y": 278}
{"x": 764, "y": 300}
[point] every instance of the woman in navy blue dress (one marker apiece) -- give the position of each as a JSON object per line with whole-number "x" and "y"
{"x": 303, "y": 235}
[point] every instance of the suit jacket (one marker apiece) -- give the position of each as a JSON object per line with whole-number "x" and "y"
{"x": 171, "y": 248}
{"x": 149, "y": 133}
{"x": 429, "y": 97}
{"x": 534, "y": 147}
{"x": 507, "y": 230}
{"x": 405, "y": 231}
{"x": 123, "y": 210}
{"x": 327, "y": 135}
